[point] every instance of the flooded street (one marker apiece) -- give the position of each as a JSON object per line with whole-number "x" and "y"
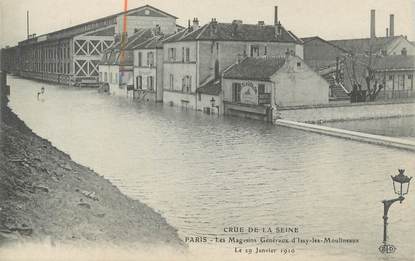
{"x": 205, "y": 173}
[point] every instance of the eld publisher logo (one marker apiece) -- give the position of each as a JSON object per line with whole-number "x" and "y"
{"x": 387, "y": 249}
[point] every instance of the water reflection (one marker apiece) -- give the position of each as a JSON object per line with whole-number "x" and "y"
{"x": 206, "y": 173}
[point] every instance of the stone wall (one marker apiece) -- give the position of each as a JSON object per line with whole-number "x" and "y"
{"x": 341, "y": 112}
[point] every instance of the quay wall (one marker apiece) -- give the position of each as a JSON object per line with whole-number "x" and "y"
{"x": 351, "y": 135}
{"x": 344, "y": 112}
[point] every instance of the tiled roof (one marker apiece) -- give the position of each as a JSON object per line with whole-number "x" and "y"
{"x": 364, "y": 44}
{"x": 213, "y": 87}
{"x": 155, "y": 42}
{"x": 239, "y": 32}
{"x": 177, "y": 36}
{"x": 395, "y": 62}
{"x": 260, "y": 69}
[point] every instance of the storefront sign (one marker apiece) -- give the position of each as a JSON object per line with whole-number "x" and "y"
{"x": 249, "y": 93}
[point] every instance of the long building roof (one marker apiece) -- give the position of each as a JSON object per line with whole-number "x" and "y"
{"x": 365, "y": 44}
{"x": 82, "y": 28}
{"x": 215, "y": 31}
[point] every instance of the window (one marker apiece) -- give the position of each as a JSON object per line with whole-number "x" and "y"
{"x": 100, "y": 75}
{"x": 265, "y": 50}
{"x": 105, "y": 77}
{"x": 390, "y": 77}
{"x": 254, "y": 50}
{"x": 140, "y": 59}
{"x": 116, "y": 78}
{"x": 187, "y": 84}
{"x": 410, "y": 76}
{"x": 150, "y": 83}
{"x": 110, "y": 77}
{"x": 199, "y": 96}
{"x": 187, "y": 55}
{"x": 171, "y": 81}
{"x": 298, "y": 64}
{"x": 261, "y": 88}
{"x": 236, "y": 92}
{"x": 150, "y": 59}
{"x": 139, "y": 82}
{"x": 172, "y": 54}
{"x": 183, "y": 50}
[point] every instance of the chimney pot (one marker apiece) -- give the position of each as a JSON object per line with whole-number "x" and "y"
{"x": 195, "y": 24}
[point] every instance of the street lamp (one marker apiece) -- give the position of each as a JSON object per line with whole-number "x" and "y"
{"x": 401, "y": 188}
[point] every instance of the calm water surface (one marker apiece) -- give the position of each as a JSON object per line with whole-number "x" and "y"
{"x": 205, "y": 173}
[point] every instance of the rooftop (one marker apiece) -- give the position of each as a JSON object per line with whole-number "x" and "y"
{"x": 238, "y": 32}
{"x": 364, "y": 44}
{"x": 395, "y": 62}
{"x": 258, "y": 68}
{"x": 213, "y": 87}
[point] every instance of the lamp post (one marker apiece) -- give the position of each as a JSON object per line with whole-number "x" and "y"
{"x": 401, "y": 188}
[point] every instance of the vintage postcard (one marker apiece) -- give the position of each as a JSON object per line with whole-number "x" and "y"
{"x": 207, "y": 130}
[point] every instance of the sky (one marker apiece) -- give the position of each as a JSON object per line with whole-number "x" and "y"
{"x": 329, "y": 19}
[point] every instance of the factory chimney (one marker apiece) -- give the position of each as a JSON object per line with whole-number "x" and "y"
{"x": 392, "y": 25}
{"x": 27, "y": 24}
{"x": 276, "y": 16}
{"x": 372, "y": 24}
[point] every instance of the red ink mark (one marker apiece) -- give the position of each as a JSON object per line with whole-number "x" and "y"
{"x": 124, "y": 32}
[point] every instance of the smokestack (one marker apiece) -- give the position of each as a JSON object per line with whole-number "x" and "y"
{"x": 27, "y": 24}
{"x": 372, "y": 23}
{"x": 392, "y": 25}
{"x": 276, "y": 16}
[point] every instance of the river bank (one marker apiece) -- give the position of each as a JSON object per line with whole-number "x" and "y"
{"x": 44, "y": 195}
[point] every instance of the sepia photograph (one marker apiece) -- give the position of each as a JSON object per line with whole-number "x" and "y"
{"x": 207, "y": 130}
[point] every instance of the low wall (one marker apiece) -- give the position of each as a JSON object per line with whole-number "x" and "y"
{"x": 352, "y": 135}
{"x": 342, "y": 112}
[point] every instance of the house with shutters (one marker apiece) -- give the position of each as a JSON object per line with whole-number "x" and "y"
{"x": 116, "y": 66}
{"x": 200, "y": 56}
{"x": 148, "y": 69}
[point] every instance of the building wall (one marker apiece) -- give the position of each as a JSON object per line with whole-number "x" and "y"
{"x": 204, "y": 103}
{"x": 352, "y": 111}
{"x": 227, "y": 90}
{"x": 398, "y": 84}
{"x": 179, "y": 68}
{"x": 167, "y": 24}
{"x": 179, "y": 99}
{"x": 297, "y": 84}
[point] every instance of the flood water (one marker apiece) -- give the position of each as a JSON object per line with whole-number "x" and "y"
{"x": 205, "y": 173}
